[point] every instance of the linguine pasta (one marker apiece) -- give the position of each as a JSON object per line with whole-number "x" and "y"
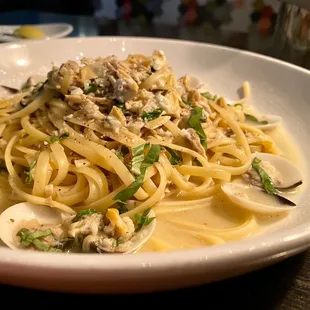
{"x": 130, "y": 135}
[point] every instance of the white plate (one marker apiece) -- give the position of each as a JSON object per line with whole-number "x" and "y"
{"x": 52, "y": 31}
{"x": 277, "y": 87}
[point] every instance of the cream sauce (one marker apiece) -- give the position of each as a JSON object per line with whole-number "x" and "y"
{"x": 220, "y": 212}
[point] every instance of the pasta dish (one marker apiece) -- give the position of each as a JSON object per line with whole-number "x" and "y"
{"x": 118, "y": 146}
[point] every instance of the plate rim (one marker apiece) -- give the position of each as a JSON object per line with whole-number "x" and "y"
{"x": 172, "y": 40}
{"x": 276, "y": 243}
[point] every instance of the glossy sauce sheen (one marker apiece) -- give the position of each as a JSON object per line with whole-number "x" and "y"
{"x": 220, "y": 212}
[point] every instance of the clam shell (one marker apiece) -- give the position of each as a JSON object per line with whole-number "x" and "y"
{"x": 291, "y": 175}
{"x": 143, "y": 235}
{"x": 12, "y": 218}
{"x": 273, "y": 120}
{"x": 254, "y": 199}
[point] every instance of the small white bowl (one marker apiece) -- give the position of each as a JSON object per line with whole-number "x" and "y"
{"x": 52, "y": 31}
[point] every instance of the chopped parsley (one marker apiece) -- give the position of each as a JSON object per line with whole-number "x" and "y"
{"x": 238, "y": 105}
{"x": 265, "y": 178}
{"x": 209, "y": 96}
{"x": 54, "y": 139}
{"x": 138, "y": 157}
{"x": 197, "y": 162}
{"x": 28, "y": 238}
{"x": 122, "y": 207}
{"x": 119, "y": 105}
{"x": 28, "y": 173}
{"x": 64, "y": 135}
{"x": 151, "y": 157}
{"x": 194, "y": 122}
{"x": 249, "y": 117}
{"x": 152, "y": 115}
{"x": 143, "y": 220}
{"x": 187, "y": 103}
{"x": 92, "y": 88}
{"x": 79, "y": 215}
{"x": 119, "y": 154}
{"x": 175, "y": 159}
{"x": 252, "y": 118}
{"x": 267, "y": 183}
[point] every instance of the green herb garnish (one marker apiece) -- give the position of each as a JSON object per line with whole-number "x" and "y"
{"x": 64, "y": 135}
{"x": 197, "y": 162}
{"x": 209, "y": 96}
{"x": 237, "y": 105}
{"x": 252, "y": 118}
{"x": 82, "y": 213}
{"x": 28, "y": 173}
{"x": 27, "y": 238}
{"x": 138, "y": 157}
{"x": 54, "y": 139}
{"x": 119, "y": 105}
{"x": 152, "y": 157}
{"x": 120, "y": 152}
{"x": 174, "y": 158}
{"x": 265, "y": 178}
{"x": 92, "y": 88}
{"x": 188, "y": 103}
{"x": 152, "y": 115}
{"x": 143, "y": 220}
{"x": 120, "y": 155}
{"x": 122, "y": 207}
{"x": 194, "y": 122}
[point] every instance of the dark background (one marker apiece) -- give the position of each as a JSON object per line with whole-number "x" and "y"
{"x": 285, "y": 285}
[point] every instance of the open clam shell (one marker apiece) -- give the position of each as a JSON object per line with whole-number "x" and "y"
{"x": 254, "y": 199}
{"x": 264, "y": 122}
{"x": 15, "y": 217}
{"x": 252, "y": 196}
{"x": 288, "y": 175}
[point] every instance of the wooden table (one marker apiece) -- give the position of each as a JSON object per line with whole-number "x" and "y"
{"x": 283, "y": 286}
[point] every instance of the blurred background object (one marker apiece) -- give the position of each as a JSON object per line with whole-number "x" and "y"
{"x": 278, "y": 28}
{"x": 292, "y": 36}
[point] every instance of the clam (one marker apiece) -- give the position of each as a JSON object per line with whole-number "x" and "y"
{"x": 260, "y": 121}
{"x": 288, "y": 175}
{"x": 263, "y": 122}
{"x": 253, "y": 196}
{"x": 254, "y": 199}
{"x": 16, "y": 217}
